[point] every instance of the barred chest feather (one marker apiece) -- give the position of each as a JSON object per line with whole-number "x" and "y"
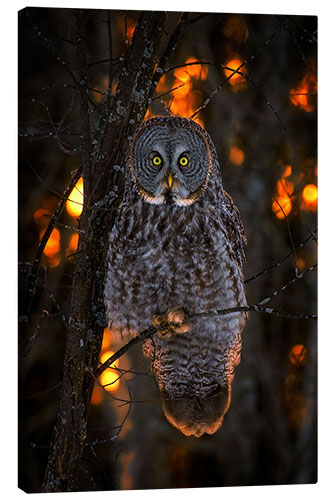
{"x": 165, "y": 256}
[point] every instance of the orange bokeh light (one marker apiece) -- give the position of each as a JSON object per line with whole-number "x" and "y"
{"x": 304, "y": 95}
{"x": 97, "y": 395}
{"x": 282, "y": 203}
{"x": 236, "y": 155}
{"x": 130, "y": 29}
{"x": 127, "y": 24}
{"x": 74, "y": 204}
{"x": 236, "y": 81}
{"x": 110, "y": 377}
{"x": 286, "y": 205}
{"x": 184, "y": 88}
{"x": 310, "y": 197}
{"x": 184, "y": 100}
{"x": 198, "y": 71}
{"x": 72, "y": 247}
{"x": 52, "y": 247}
{"x": 107, "y": 338}
{"x": 310, "y": 193}
{"x": 284, "y": 187}
{"x": 298, "y": 355}
{"x": 301, "y": 263}
{"x": 42, "y": 217}
{"x": 287, "y": 172}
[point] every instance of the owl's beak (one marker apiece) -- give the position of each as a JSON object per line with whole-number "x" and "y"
{"x": 170, "y": 181}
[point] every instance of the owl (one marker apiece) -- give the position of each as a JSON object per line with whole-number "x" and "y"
{"x": 176, "y": 249}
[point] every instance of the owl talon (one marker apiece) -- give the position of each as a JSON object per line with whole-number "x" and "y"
{"x": 170, "y": 323}
{"x": 161, "y": 323}
{"x": 176, "y": 316}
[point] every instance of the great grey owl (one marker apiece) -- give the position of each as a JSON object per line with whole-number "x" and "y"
{"x": 176, "y": 248}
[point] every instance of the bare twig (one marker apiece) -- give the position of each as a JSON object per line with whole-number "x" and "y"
{"x": 171, "y": 47}
{"x": 31, "y": 288}
{"x": 279, "y": 262}
{"x": 152, "y": 329}
{"x": 29, "y": 344}
{"x": 289, "y": 233}
{"x": 286, "y": 285}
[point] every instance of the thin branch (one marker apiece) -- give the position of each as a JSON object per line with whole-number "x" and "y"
{"x": 222, "y": 312}
{"x": 168, "y": 92}
{"x": 279, "y": 262}
{"x": 119, "y": 427}
{"x": 171, "y": 47}
{"x": 55, "y": 303}
{"x": 103, "y": 61}
{"x": 219, "y": 87}
{"x": 32, "y": 280}
{"x": 43, "y": 393}
{"x": 286, "y": 285}
{"x": 292, "y": 34}
{"x": 25, "y": 349}
{"x": 47, "y": 42}
{"x": 198, "y": 18}
{"x": 289, "y": 233}
{"x": 134, "y": 341}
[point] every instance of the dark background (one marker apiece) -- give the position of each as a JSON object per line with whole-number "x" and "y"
{"x": 269, "y": 435}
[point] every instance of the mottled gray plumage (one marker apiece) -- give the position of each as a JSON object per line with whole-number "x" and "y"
{"x": 179, "y": 247}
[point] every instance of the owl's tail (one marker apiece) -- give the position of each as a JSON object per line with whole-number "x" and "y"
{"x": 195, "y": 416}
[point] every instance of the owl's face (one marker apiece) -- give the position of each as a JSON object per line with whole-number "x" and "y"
{"x": 170, "y": 161}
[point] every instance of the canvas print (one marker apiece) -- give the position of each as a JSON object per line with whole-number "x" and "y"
{"x": 167, "y": 249}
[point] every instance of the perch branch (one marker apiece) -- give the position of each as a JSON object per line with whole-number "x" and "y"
{"x": 152, "y": 329}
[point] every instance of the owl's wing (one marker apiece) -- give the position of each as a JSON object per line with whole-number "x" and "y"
{"x": 234, "y": 227}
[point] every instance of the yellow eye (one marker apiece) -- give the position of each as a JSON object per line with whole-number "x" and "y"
{"x": 157, "y": 160}
{"x": 183, "y": 161}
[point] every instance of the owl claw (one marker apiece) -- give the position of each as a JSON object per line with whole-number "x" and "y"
{"x": 172, "y": 322}
{"x": 161, "y": 323}
{"x": 176, "y": 316}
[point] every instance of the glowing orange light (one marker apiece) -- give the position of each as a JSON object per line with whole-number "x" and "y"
{"x": 236, "y": 81}
{"x": 110, "y": 377}
{"x": 287, "y": 172}
{"x": 41, "y": 217}
{"x": 148, "y": 114}
{"x": 97, "y": 395}
{"x": 184, "y": 101}
{"x": 183, "y": 80}
{"x": 303, "y": 96}
{"x": 310, "y": 193}
{"x": 107, "y": 338}
{"x": 130, "y": 29}
{"x": 301, "y": 263}
{"x": 284, "y": 187}
{"x": 310, "y": 197}
{"x": 236, "y": 155}
{"x": 72, "y": 247}
{"x": 286, "y": 205}
{"x": 198, "y": 120}
{"x": 74, "y": 204}
{"x": 128, "y": 24}
{"x": 162, "y": 85}
{"x": 197, "y": 71}
{"x": 282, "y": 203}
{"x": 298, "y": 355}
{"x": 52, "y": 247}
